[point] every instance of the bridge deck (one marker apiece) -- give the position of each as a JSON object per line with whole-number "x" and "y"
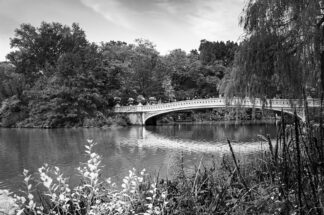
{"x": 219, "y": 102}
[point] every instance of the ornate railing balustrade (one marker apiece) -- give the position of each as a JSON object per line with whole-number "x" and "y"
{"x": 219, "y": 102}
{"x": 150, "y": 110}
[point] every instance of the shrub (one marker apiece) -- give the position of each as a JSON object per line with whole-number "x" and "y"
{"x": 137, "y": 194}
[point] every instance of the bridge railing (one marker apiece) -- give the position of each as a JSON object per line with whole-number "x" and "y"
{"x": 220, "y": 102}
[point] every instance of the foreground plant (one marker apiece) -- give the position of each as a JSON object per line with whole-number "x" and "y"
{"x": 137, "y": 194}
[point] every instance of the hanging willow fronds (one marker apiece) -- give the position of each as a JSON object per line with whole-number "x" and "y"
{"x": 280, "y": 53}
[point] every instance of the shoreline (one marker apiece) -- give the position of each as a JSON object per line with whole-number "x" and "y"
{"x": 115, "y": 125}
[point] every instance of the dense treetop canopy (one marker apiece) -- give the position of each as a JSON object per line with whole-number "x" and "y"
{"x": 63, "y": 78}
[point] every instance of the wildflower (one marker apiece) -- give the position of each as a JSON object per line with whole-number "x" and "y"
{"x": 150, "y": 206}
{"x": 25, "y": 172}
{"x": 57, "y": 169}
{"x": 86, "y": 174}
{"x": 53, "y": 196}
{"x": 30, "y": 196}
{"x": 108, "y": 180}
{"x": 41, "y": 169}
{"x": 163, "y": 195}
{"x": 62, "y": 197}
{"x": 130, "y": 173}
{"x": 92, "y": 167}
{"x": 125, "y": 180}
{"x": 20, "y": 212}
{"x": 32, "y": 204}
{"x": 143, "y": 171}
{"x": 157, "y": 210}
{"x": 93, "y": 175}
{"x": 21, "y": 199}
{"x": 93, "y": 155}
{"x": 26, "y": 179}
{"x": 48, "y": 181}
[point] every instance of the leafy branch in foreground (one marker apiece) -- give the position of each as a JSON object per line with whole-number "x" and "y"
{"x": 94, "y": 195}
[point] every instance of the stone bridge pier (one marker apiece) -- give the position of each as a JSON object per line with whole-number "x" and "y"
{"x": 136, "y": 118}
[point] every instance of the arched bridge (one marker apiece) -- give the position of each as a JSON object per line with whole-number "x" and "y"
{"x": 139, "y": 114}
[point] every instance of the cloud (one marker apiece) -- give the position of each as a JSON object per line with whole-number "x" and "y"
{"x": 207, "y": 19}
{"x": 111, "y": 10}
{"x": 216, "y": 20}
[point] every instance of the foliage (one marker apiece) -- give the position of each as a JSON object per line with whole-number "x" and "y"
{"x": 11, "y": 83}
{"x": 137, "y": 195}
{"x": 63, "y": 80}
{"x": 211, "y": 52}
{"x": 280, "y": 53}
{"x": 12, "y": 111}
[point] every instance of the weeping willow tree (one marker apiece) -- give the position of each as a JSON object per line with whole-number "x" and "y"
{"x": 281, "y": 50}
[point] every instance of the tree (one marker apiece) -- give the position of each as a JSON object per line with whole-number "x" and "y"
{"x": 143, "y": 63}
{"x": 168, "y": 89}
{"x": 280, "y": 52}
{"x": 116, "y": 64}
{"x": 217, "y": 52}
{"x": 11, "y": 83}
{"x": 40, "y": 48}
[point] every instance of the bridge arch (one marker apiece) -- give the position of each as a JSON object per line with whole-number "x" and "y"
{"x": 149, "y": 116}
{"x": 140, "y": 114}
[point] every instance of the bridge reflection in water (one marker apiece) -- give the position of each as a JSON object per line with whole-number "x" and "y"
{"x": 216, "y": 145}
{"x": 195, "y": 143}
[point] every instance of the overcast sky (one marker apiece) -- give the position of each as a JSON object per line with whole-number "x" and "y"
{"x": 169, "y": 24}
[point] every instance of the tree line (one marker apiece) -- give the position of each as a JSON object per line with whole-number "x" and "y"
{"x": 56, "y": 77}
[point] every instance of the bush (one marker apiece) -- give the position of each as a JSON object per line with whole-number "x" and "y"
{"x": 12, "y": 110}
{"x": 137, "y": 194}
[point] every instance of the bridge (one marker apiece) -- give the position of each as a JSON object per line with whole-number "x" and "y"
{"x": 139, "y": 114}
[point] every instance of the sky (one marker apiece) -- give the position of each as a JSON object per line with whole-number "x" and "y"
{"x": 169, "y": 24}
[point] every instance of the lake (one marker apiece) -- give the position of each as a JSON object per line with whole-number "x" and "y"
{"x": 158, "y": 149}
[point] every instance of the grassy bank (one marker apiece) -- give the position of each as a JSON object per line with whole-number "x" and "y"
{"x": 287, "y": 178}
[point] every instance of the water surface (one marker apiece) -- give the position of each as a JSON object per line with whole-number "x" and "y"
{"x": 157, "y": 149}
